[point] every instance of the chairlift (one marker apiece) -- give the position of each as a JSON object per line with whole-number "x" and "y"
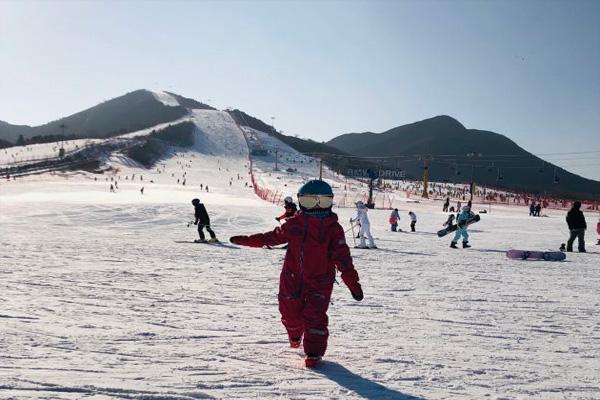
{"x": 500, "y": 176}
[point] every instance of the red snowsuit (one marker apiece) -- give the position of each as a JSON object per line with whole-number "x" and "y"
{"x": 316, "y": 246}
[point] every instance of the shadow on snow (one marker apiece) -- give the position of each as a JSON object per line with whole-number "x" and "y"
{"x": 361, "y": 386}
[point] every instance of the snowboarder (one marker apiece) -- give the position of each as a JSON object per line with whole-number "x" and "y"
{"x": 203, "y": 221}
{"x": 365, "y": 226}
{"x": 394, "y": 219}
{"x": 413, "y": 220}
{"x": 450, "y": 221}
{"x": 316, "y": 247}
{"x": 461, "y": 221}
{"x": 290, "y": 209}
{"x": 577, "y": 227}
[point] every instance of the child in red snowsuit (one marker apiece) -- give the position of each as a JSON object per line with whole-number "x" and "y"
{"x": 316, "y": 247}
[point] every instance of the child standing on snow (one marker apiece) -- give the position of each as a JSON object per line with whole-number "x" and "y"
{"x": 203, "y": 221}
{"x": 290, "y": 209}
{"x": 413, "y": 220}
{"x": 462, "y": 219}
{"x": 316, "y": 247}
{"x": 394, "y": 219}
{"x": 365, "y": 226}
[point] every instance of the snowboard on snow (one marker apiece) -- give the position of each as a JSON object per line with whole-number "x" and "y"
{"x": 453, "y": 227}
{"x": 536, "y": 255}
{"x": 217, "y": 243}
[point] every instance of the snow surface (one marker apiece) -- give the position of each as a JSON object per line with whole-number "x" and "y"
{"x": 99, "y": 301}
{"x": 166, "y": 99}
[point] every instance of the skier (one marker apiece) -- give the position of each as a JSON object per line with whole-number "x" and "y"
{"x": 531, "y": 209}
{"x": 577, "y": 227}
{"x": 290, "y": 209}
{"x": 112, "y": 188}
{"x": 365, "y": 226}
{"x": 394, "y": 219}
{"x": 203, "y": 221}
{"x": 538, "y": 209}
{"x": 142, "y": 190}
{"x": 450, "y": 221}
{"x": 316, "y": 247}
{"x": 598, "y": 231}
{"x": 446, "y": 204}
{"x": 413, "y": 220}
{"x": 461, "y": 230}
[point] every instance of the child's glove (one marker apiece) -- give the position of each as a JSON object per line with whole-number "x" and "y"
{"x": 351, "y": 280}
{"x": 195, "y": 222}
{"x": 277, "y": 219}
{"x": 357, "y": 292}
{"x": 237, "y": 239}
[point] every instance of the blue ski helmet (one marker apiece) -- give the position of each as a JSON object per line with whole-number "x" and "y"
{"x": 315, "y": 187}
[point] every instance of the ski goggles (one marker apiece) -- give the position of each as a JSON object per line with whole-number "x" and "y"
{"x": 309, "y": 201}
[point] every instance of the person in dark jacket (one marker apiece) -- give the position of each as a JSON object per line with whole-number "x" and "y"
{"x": 290, "y": 209}
{"x": 577, "y": 227}
{"x": 203, "y": 221}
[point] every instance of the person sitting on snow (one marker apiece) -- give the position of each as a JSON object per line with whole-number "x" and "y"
{"x": 465, "y": 216}
{"x": 316, "y": 247}
{"x": 394, "y": 219}
{"x": 203, "y": 221}
{"x": 365, "y": 226}
{"x": 290, "y": 209}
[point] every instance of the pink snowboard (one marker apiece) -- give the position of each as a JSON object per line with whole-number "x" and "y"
{"x": 536, "y": 255}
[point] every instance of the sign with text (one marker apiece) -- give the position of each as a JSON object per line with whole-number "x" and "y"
{"x": 382, "y": 173}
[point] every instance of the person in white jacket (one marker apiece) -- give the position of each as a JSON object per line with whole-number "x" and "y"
{"x": 365, "y": 226}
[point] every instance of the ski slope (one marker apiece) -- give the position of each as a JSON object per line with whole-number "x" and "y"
{"x": 99, "y": 301}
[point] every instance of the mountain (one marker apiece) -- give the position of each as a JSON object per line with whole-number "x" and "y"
{"x": 458, "y": 154}
{"x": 133, "y": 111}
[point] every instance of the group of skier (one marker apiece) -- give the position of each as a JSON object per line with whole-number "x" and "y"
{"x": 316, "y": 248}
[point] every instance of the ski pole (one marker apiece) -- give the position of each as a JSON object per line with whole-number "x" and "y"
{"x": 353, "y": 235}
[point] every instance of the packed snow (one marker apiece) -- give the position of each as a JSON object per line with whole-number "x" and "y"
{"x": 100, "y": 300}
{"x": 166, "y": 99}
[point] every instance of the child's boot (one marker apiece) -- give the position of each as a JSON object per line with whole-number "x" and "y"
{"x": 466, "y": 245}
{"x": 295, "y": 342}
{"x": 453, "y": 244}
{"x": 311, "y": 361}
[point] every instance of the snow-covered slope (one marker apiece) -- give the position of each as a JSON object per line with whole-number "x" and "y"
{"x": 99, "y": 300}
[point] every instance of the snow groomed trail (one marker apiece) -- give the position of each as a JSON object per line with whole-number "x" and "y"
{"x": 98, "y": 300}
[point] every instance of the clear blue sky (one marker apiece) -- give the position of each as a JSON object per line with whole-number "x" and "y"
{"x": 527, "y": 69}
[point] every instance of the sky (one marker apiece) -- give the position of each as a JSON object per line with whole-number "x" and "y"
{"x": 529, "y": 70}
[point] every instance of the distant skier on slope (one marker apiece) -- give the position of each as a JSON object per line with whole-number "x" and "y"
{"x": 394, "y": 219}
{"x": 577, "y": 227}
{"x": 290, "y": 209}
{"x": 413, "y": 220}
{"x": 365, "y": 226}
{"x": 203, "y": 221}
{"x": 462, "y": 219}
{"x": 598, "y": 231}
{"x": 316, "y": 247}
{"x": 450, "y": 221}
